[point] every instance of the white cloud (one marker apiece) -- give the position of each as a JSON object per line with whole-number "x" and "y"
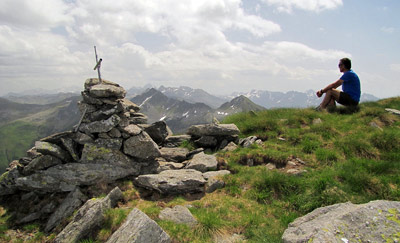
{"x": 192, "y": 47}
{"x": 389, "y": 30}
{"x": 308, "y": 5}
{"x": 395, "y": 67}
{"x": 34, "y": 13}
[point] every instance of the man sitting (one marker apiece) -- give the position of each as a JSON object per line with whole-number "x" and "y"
{"x": 350, "y": 96}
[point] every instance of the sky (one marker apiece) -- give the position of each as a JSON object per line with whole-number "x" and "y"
{"x": 221, "y": 46}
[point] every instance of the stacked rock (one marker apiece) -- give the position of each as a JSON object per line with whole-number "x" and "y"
{"x": 106, "y": 146}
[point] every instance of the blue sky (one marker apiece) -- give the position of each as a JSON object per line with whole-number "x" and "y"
{"x": 221, "y": 46}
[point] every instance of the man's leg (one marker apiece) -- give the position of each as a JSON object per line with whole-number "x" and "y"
{"x": 330, "y": 97}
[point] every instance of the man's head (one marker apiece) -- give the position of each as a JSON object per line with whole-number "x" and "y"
{"x": 346, "y": 62}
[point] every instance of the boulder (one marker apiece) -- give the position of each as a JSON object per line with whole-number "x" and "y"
{"x": 55, "y": 138}
{"x": 213, "y": 130}
{"x": 73, "y": 201}
{"x": 213, "y": 180}
{"x": 163, "y": 165}
{"x": 65, "y": 177}
{"x": 247, "y": 142}
{"x": 41, "y": 163}
{"x": 178, "y": 214}
{"x": 101, "y": 114}
{"x": 174, "y": 154}
{"x": 202, "y": 162}
{"x": 110, "y": 143}
{"x": 376, "y": 221}
{"x": 131, "y": 130}
{"x": 141, "y": 147}
{"x": 52, "y": 149}
{"x": 173, "y": 181}
{"x": 89, "y": 217}
{"x": 94, "y": 154}
{"x": 89, "y": 99}
{"x": 127, "y": 105}
{"x": 176, "y": 140}
{"x": 139, "y": 228}
{"x": 82, "y": 138}
{"x": 206, "y": 142}
{"x": 95, "y": 81}
{"x": 230, "y": 147}
{"x": 100, "y": 126}
{"x": 158, "y": 131}
{"x": 70, "y": 146}
{"x": 106, "y": 91}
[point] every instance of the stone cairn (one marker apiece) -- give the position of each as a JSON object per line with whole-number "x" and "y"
{"x": 111, "y": 142}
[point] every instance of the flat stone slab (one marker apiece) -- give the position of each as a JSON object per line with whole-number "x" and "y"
{"x": 178, "y": 214}
{"x": 65, "y": 177}
{"x": 202, "y": 162}
{"x": 174, "y": 154}
{"x": 213, "y": 130}
{"x": 376, "y": 221}
{"x": 173, "y": 181}
{"x": 139, "y": 228}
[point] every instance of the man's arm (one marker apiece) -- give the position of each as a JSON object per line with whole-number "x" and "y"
{"x": 333, "y": 85}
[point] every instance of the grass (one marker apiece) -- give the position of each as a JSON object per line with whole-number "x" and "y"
{"x": 346, "y": 159}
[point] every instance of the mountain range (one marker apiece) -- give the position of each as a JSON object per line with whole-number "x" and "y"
{"x": 25, "y": 118}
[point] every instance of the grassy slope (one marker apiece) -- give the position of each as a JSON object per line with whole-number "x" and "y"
{"x": 347, "y": 160}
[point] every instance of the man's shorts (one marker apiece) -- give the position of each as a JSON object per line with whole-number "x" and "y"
{"x": 345, "y": 99}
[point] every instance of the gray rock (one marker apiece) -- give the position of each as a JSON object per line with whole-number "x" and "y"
{"x": 174, "y": 154}
{"x": 30, "y": 218}
{"x": 127, "y": 105}
{"x": 106, "y": 91}
{"x": 215, "y": 174}
{"x": 114, "y": 133}
{"x": 173, "y": 181}
{"x": 65, "y": 177}
{"x": 376, "y": 221}
{"x": 100, "y": 126}
{"x": 213, "y": 130}
{"x": 206, "y": 142}
{"x": 393, "y": 111}
{"x": 41, "y": 163}
{"x": 317, "y": 121}
{"x": 142, "y": 147}
{"x": 178, "y": 214}
{"x": 55, "y": 138}
{"x": 95, "y": 81}
{"x": 70, "y": 145}
{"x": 89, "y": 217}
{"x": 90, "y": 100}
{"x": 101, "y": 114}
{"x": 111, "y": 143}
{"x": 194, "y": 152}
{"x": 158, "y": 131}
{"x": 139, "y": 228}
{"x": 52, "y": 149}
{"x": 202, "y": 162}
{"x": 176, "y": 140}
{"x": 74, "y": 200}
{"x": 163, "y": 165}
{"x": 247, "y": 142}
{"x": 131, "y": 130}
{"x": 230, "y": 147}
{"x": 94, "y": 154}
{"x": 82, "y": 138}
{"x": 213, "y": 180}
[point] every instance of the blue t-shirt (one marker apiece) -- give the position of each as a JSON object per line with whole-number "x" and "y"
{"x": 351, "y": 85}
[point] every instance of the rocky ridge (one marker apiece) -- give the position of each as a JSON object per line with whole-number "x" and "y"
{"x": 111, "y": 142}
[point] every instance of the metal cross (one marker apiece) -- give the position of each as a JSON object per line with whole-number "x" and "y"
{"x": 98, "y": 64}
